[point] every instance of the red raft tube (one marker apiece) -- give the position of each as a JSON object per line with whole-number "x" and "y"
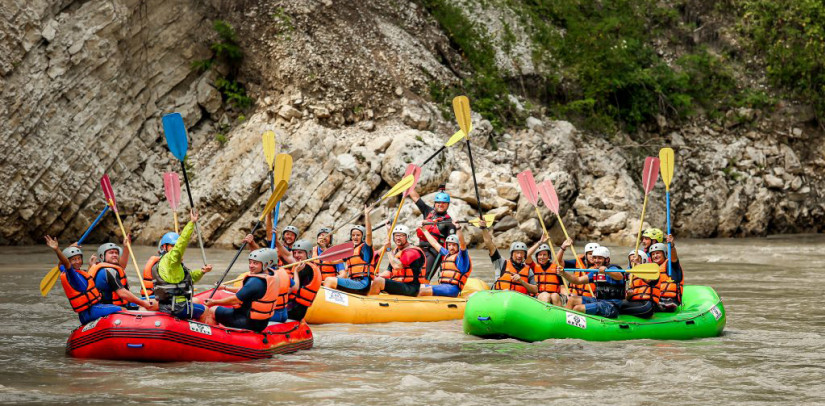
{"x": 159, "y": 337}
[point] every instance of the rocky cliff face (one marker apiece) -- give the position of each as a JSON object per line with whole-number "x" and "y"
{"x": 345, "y": 85}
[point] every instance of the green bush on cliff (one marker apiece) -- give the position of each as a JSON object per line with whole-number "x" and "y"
{"x": 226, "y": 51}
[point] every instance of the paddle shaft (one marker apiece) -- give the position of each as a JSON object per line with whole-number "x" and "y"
{"x": 274, "y": 213}
{"x": 443, "y": 147}
{"x": 629, "y": 271}
{"x": 475, "y": 183}
{"x": 235, "y": 258}
{"x": 572, "y": 249}
{"x": 641, "y": 224}
{"x": 192, "y": 205}
{"x": 131, "y": 253}
{"x": 94, "y": 224}
{"x": 394, "y": 221}
{"x": 667, "y": 204}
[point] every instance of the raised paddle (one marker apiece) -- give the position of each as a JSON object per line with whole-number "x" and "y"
{"x": 548, "y": 195}
{"x": 489, "y": 219}
{"x": 276, "y": 196}
{"x": 171, "y": 188}
{"x": 649, "y": 176}
{"x": 401, "y": 186}
{"x": 453, "y": 139}
{"x": 461, "y": 108}
{"x": 530, "y": 191}
{"x": 666, "y": 166}
{"x": 109, "y": 193}
{"x": 415, "y": 172}
{"x": 269, "y": 154}
{"x": 334, "y": 253}
{"x": 282, "y": 172}
{"x": 648, "y": 271}
{"x": 178, "y": 143}
{"x": 50, "y": 279}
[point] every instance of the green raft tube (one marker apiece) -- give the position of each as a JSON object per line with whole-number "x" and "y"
{"x": 503, "y": 314}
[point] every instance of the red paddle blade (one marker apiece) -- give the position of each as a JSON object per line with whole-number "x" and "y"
{"x": 108, "y": 193}
{"x": 338, "y": 252}
{"x": 415, "y": 170}
{"x": 528, "y": 186}
{"x": 650, "y": 174}
{"x": 171, "y": 187}
{"x": 548, "y": 195}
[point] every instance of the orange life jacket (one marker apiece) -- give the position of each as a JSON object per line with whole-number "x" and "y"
{"x": 504, "y": 281}
{"x": 283, "y": 289}
{"x": 450, "y": 275}
{"x": 667, "y": 287}
{"x": 581, "y": 289}
{"x": 264, "y": 308}
{"x": 116, "y": 300}
{"x": 306, "y": 293}
{"x": 148, "y": 279}
{"x": 547, "y": 280}
{"x": 358, "y": 268}
{"x": 642, "y": 290}
{"x": 406, "y": 274}
{"x": 328, "y": 269}
{"x": 81, "y": 301}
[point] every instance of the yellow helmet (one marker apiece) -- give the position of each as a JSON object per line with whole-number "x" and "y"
{"x": 654, "y": 234}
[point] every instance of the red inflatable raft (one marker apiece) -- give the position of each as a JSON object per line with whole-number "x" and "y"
{"x": 158, "y": 337}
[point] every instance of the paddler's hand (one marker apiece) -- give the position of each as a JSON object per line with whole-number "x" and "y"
{"x": 193, "y": 216}
{"x": 367, "y": 210}
{"x": 566, "y": 244}
{"x": 151, "y": 305}
{"x": 52, "y": 243}
{"x": 248, "y": 239}
{"x": 207, "y": 268}
{"x": 209, "y": 302}
{"x": 482, "y": 224}
{"x": 545, "y": 238}
{"x": 515, "y": 277}
{"x": 602, "y": 269}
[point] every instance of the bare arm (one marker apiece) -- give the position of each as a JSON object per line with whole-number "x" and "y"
{"x": 487, "y": 235}
{"x": 52, "y": 243}
{"x": 431, "y": 239}
{"x": 535, "y": 247}
{"x": 413, "y": 195}
{"x": 250, "y": 242}
{"x": 128, "y": 296}
{"x": 367, "y": 225}
{"x": 124, "y": 259}
{"x": 673, "y": 256}
{"x": 462, "y": 245}
{"x": 560, "y": 255}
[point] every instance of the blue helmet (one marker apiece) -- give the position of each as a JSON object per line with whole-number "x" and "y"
{"x": 442, "y": 197}
{"x": 168, "y": 238}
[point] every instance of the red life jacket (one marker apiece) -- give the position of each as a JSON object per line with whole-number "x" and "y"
{"x": 264, "y": 308}
{"x": 306, "y": 293}
{"x": 547, "y": 280}
{"x": 81, "y": 301}
{"x": 433, "y": 228}
{"x": 328, "y": 269}
{"x": 357, "y": 267}
{"x": 116, "y": 300}
{"x": 504, "y": 281}
{"x": 406, "y": 274}
{"x": 148, "y": 279}
{"x": 450, "y": 275}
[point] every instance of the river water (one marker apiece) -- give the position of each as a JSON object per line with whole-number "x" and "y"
{"x": 772, "y": 349}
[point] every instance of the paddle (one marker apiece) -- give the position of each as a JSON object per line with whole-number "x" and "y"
{"x": 489, "y": 219}
{"x": 461, "y": 108}
{"x": 175, "y": 132}
{"x": 405, "y": 183}
{"x": 48, "y": 281}
{"x": 649, "y": 176}
{"x": 453, "y": 139}
{"x": 415, "y": 172}
{"x": 551, "y": 200}
{"x": 282, "y": 172}
{"x": 171, "y": 188}
{"x": 280, "y": 189}
{"x": 109, "y": 193}
{"x": 528, "y": 187}
{"x": 666, "y": 161}
{"x": 334, "y": 253}
{"x": 648, "y": 271}
{"x": 269, "y": 154}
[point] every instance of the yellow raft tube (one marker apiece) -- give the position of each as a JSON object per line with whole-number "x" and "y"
{"x": 335, "y": 306}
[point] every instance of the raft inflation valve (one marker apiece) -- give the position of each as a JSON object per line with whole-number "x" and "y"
{"x": 157, "y": 323}
{"x": 117, "y": 322}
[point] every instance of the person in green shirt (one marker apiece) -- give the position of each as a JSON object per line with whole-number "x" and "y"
{"x": 174, "y": 281}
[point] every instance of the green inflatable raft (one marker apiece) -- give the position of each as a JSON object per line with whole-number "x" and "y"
{"x": 503, "y": 314}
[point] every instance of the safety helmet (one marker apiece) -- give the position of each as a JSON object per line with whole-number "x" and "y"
{"x": 603, "y": 252}
{"x": 641, "y": 254}
{"x": 292, "y": 229}
{"x": 72, "y": 251}
{"x": 401, "y": 229}
{"x": 362, "y": 229}
{"x": 452, "y": 238}
{"x": 101, "y": 251}
{"x": 302, "y": 245}
{"x": 590, "y": 247}
{"x": 654, "y": 234}
{"x": 326, "y": 230}
{"x": 544, "y": 247}
{"x": 657, "y": 247}
{"x": 517, "y": 246}
{"x": 168, "y": 238}
{"x": 442, "y": 197}
{"x": 262, "y": 255}
{"x": 272, "y": 257}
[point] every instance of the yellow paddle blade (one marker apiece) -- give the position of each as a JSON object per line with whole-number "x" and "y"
{"x": 49, "y": 280}
{"x": 488, "y": 218}
{"x": 646, "y": 271}
{"x": 458, "y": 136}
{"x": 400, "y": 187}
{"x": 269, "y": 148}
{"x": 461, "y": 107}
{"x": 666, "y": 165}
{"x": 283, "y": 168}
{"x": 277, "y": 194}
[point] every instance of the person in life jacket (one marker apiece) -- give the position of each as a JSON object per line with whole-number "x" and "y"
{"x": 78, "y": 285}
{"x": 288, "y": 238}
{"x": 324, "y": 241}
{"x": 173, "y": 282}
{"x": 551, "y": 288}
{"x": 610, "y": 287}
{"x": 512, "y": 273}
{"x": 584, "y": 261}
{"x": 357, "y": 276}
{"x": 642, "y": 295}
{"x": 456, "y": 265}
{"x": 670, "y": 287}
{"x": 255, "y": 302}
{"x": 443, "y": 227}
{"x": 649, "y": 237}
{"x": 110, "y": 279}
{"x": 405, "y": 273}
{"x": 308, "y": 279}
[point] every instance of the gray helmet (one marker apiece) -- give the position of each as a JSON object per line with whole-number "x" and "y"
{"x": 326, "y": 230}
{"x": 362, "y": 229}
{"x": 72, "y": 251}
{"x": 544, "y": 247}
{"x": 101, "y": 251}
{"x": 262, "y": 255}
{"x": 302, "y": 245}
{"x": 292, "y": 229}
{"x": 657, "y": 247}
{"x": 517, "y": 246}
{"x": 452, "y": 238}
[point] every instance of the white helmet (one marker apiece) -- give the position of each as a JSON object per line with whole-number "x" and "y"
{"x": 601, "y": 252}
{"x": 452, "y": 238}
{"x": 657, "y": 247}
{"x": 590, "y": 247}
{"x": 641, "y": 254}
{"x": 401, "y": 229}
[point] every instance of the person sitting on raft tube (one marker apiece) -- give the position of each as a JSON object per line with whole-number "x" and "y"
{"x": 550, "y": 286}
{"x": 110, "y": 279}
{"x": 455, "y": 268}
{"x": 584, "y": 261}
{"x": 610, "y": 287}
{"x": 513, "y": 273}
{"x": 442, "y": 228}
{"x": 271, "y": 255}
{"x": 649, "y": 237}
{"x": 309, "y": 278}
{"x": 173, "y": 282}
{"x": 642, "y": 295}
{"x": 257, "y": 298}
{"x": 324, "y": 241}
{"x": 670, "y": 287}
{"x": 356, "y": 277}
{"x": 405, "y": 273}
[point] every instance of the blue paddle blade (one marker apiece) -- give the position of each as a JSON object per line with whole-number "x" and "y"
{"x": 175, "y": 135}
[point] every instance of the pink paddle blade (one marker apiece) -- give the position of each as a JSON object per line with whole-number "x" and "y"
{"x": 108, "y": 193}
{"x": 415, "y": 170}
{"x": 548, "y": 195}
{"x": 650, "y": 174}
{"x": 338, "y": 252}
{"x": 528, "y": 186}
{"x": 171, "y": 187}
